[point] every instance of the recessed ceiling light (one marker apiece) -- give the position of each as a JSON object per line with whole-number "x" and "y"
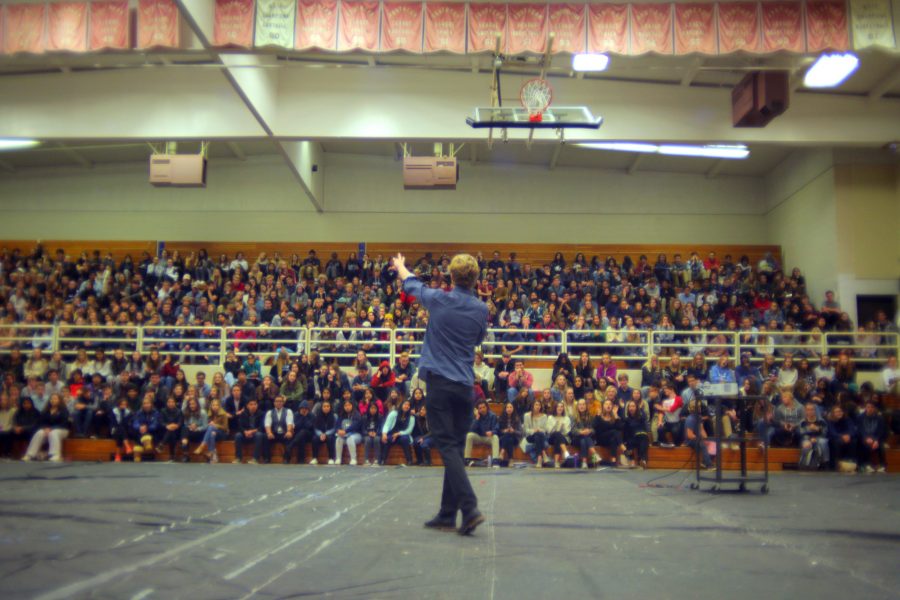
{"x": 590, "y": 62}
{"x": 708, "y": 151}
{"x": 831, "y": 70}
{"x": 17, "y": 143}
{"x": 734, "y": 151}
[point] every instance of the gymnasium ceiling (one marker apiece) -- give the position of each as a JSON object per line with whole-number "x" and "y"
{"x": 103, "y": 108}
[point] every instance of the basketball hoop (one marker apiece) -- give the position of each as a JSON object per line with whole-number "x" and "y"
{"x": 535, "y": 96}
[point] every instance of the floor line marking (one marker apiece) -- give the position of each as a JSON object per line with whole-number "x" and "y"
{"x": 69, "y": 590}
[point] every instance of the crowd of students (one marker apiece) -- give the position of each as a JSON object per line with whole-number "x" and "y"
{"x": 146, "y": 404}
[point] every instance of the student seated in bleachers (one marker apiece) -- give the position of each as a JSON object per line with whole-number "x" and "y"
{"x": 608, "y": 429}
{"x": 695, "y": 435}
{"x": 171, "y": 420}
{"x": 372, "y": 424}
{"x": 669, "y": 424}
{"x": 422, "y": 442}
{"x": 279, "y": 426}
{"x": 485, "y": 431}
{"x": 146, "y": 428}
{"x": 535, "y": 427}
{"x": 789, "y": 414}
{"x": 583, "y": 434}
{"x": 813, "y": 431}
{"x": 53, "y": 429}
{"x": 348, "y": 431}
{"x": 872, "y": 433}
{"x": 398, "y": 429}
{"x": 511, "y": 432}
{"x": 304, "y": 432}
{"x": 217, "y": 429}
{"x": 325, "y": 425}
{"x": 193, "y": 425}
{"x": 842, "y": 438}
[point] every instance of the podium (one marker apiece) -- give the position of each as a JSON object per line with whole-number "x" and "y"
{"x": 741, "y": 404}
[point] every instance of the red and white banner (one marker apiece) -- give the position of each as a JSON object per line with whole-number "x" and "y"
{"x": 827, "y": 27}
{"x": 695, "y": 28}
{"x": 651, "y": 28}
{"x": 233, "y": 25}
{"x": 738, "y": 27}
{"x": 782, "y": 26}
{"x": 316, "y": 24}
{"x": 527, "y": 28}
{"x": 67, "y": 26}
{"x": 608, "y": 28}
{"x": 25, "y": 28}
{"x": 567, "y": 23}
{"x": 109, "y": 25}
{"x": 401, "y": 26}
{"x": 157, "y": 24}
{"x": 485, "y": 22}
{"x": 358, "y": 28}
{"x": 445, "y": 27}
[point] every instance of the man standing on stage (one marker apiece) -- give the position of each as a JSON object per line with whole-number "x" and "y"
{"x": 457, "y": 322}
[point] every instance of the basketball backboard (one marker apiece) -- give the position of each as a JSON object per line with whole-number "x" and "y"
{"x": 517, "y": 117}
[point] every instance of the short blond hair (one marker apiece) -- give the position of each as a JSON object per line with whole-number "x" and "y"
{"x": 464, "y": 271}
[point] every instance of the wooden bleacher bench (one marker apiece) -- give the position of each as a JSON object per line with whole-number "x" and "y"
{"x": 103, "y": 450}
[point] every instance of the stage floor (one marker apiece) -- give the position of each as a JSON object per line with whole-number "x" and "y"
{"x": 198, "y": 531}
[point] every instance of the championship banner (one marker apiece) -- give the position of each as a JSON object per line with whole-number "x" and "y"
{"x": 527, "y": 28}
{"x": 275, "y": 23}
{"x": 233, "y": 23}
{"x": 445, "y": 27}
{"x": 401, "y": 26}
{"x": 695, "y": 28}
{"x": 316, "y": 25}
{"x": 872, "y": 24}
{"x": 25, "y": 28}
{"x": 67, "y": 27}
{"x": 782, "y": 26}
{"x": 157, "y": 24}
{"x": 358, "y": 29}
{"x": 826, "y": 26}
{"x": 568, "y": 23}
{"x": 738, "y": 27}
{"x": 608, "y": 28}
{"x": 109, "y": 25}
{"x": 485, "y": 22}
{"x": 651, "y": 28}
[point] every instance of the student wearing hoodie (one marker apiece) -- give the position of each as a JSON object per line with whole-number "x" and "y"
{"x": 304, "y": 432}
{"x": 25, "y": 421}
{"x": 484, "y": 431}
{"x": 383, "y": 381}
{"x": 325, "y": 425}
{"x": 371, "y": 426}
{"x": 397, "y": 429}
{"x": 146, "y": 427}
{"x": 349, "y": 426}
{"x": 841, "y": 436}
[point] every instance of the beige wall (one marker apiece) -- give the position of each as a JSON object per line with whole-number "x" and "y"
{"x": 868, "y": 213}
{"x": 804, "y": 226}
{"x": 364, "y": 200}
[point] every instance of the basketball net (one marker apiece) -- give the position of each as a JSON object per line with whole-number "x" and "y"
{"x": 535, "y": 96}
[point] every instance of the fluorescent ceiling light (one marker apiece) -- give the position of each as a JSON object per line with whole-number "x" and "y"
{"x": 621, "y": 146}
{"x": 830, "y": 70}
{"x": 16, "y": 144}
{"x": 709, "y": 151}
{"x": 590, "y": 62}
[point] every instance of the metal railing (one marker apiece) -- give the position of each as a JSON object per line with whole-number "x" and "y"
{"x": 212, "y": 344}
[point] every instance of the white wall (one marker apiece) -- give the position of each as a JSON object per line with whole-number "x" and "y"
{"x": 364, "y": 200}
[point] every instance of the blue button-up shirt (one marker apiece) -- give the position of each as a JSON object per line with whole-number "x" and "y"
{"x": 457, "y": 322}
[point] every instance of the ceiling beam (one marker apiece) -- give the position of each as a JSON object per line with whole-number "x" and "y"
{"x": 633, "y": 167}
{"x": 692, "y": 71}
{"x": 715, "y": 169}
{"x": 236, "y": 150}
{"x": 75, "y": 155}
{"x": 884, "y": 86}
{"x": 554, "y": 158}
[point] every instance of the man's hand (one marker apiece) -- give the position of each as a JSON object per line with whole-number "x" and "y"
{"x": 399, "y": 263}
{"x": 323, "y": 437}
{"x": 488, "y": 433}
{"x": 270, "y": 435}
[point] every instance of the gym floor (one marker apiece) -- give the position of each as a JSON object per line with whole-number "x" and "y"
{"x": 197, "y": 531}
